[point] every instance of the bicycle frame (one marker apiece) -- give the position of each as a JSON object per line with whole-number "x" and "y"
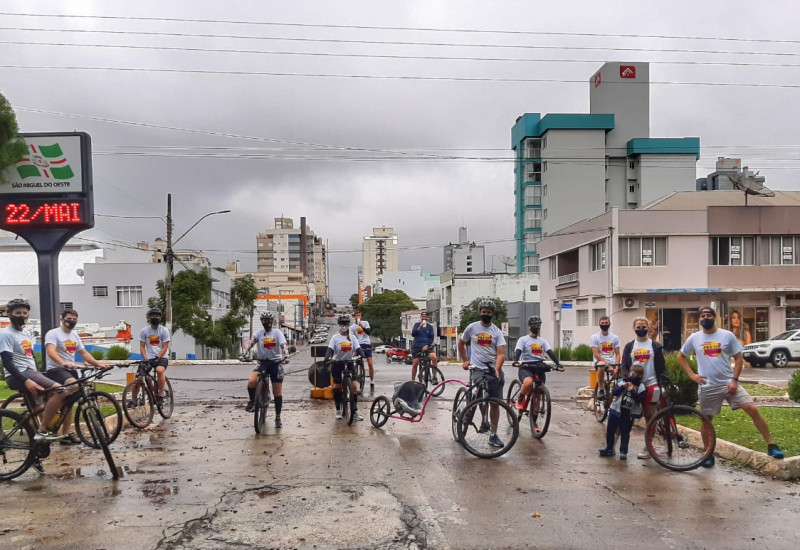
{"x": 418, "y": 418}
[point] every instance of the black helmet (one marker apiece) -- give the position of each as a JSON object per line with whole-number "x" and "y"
{"x": 17, "y": 303}
{"x": 486, "y": 304}
{"x": 267, "y": 316}
{"x": 534, "y": 319}
{"x": 154, "y": 311}
{"x": 344, "y": 320}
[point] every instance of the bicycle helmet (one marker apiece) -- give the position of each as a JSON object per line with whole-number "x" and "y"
{"x": 534, "y": 319}
{"x": 267, "y": 316}
{"x": 17, "y": 303}
{"x": 486, "y": 304}
{"x": 154, "y": 311}
{"x": 344, "y": 320}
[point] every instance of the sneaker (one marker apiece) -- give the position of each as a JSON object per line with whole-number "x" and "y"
{"x": 71, "y": 439}
{"x": 338, "y": 414}
{"x": 278, "y": 423}
{"x": 606, "y": 452}
{"x": 774, "y": 451}
{"x": 130, "y": 404}
{"x": 521, "y": 403}
{"x": 495, "y": 441}
{"x": 623, "y": 456}
{"x": 644, "y": 454}
{"x": 250, "y": 407}
{"x": 160, "y": 400}
{"x": 357, "y": 416}
{"x": 601, "y": 394}
{"x": 371, "y": 387}
{"x": 44, "y": 435}
{"x": 709, "y": 462}
{"x": 484, "y": 427}
{"x": 37, "y": 465}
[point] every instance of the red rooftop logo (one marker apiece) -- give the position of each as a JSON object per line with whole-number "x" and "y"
{"x": 627, "y": 71}
{"x": 597, "y": 80}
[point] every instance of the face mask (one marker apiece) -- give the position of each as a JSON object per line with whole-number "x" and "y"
{"x": 18, "y": 322}
{"x": 343, "y": 330}
{"x": 641, "y": 331}
{"x": 267, "y": 326}
{"x": 635, "y": 380}
{"x": 154, "y": 321}
{"x": 535, "y": 331}
{"x": 707, "y": 323}
{"x": 486, "y": 319}
{"x": 605, "y": 328}
{"x": 70, "y": 324}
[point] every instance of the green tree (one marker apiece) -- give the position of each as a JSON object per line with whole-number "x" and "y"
{"x": 470, "y": 313}
{"x": 383, "y": 313}
{"x": 12, "y": 147}
{"x": 354, "y": 300}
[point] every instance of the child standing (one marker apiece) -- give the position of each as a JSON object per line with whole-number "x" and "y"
{"x": 626, "y": 407}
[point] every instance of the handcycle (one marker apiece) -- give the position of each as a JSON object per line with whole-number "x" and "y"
{"x": 19, "y": 450}
{"x": 261, "y": 396}
{"x": 139, "y": 398}
{"x": 405, "y": 402}
{"x": 427, "y": 373}
{"x": 602, "y": 396}
{"x": 538, "y": 405}
{"x": 349, "y": 393}
{"x": 473, "y": 410}
{"x": 670, "y": 443}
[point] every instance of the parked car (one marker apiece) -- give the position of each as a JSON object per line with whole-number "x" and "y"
{"x": 778, "y": 350}
{"x": 317, "y": 340}
{"x": 397, "y": 355}
{"x": 381, "y": 349}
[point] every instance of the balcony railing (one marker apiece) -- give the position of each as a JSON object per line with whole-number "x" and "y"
{"x": 568, "y": 278}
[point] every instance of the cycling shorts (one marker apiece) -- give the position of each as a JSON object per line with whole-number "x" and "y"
{"x": 60, "y": 374}
{"x": 538, "y": 374}
{"x": 337, "y": 370}
{"x": 34, "y": 375}
{"x": 366, "y": 350}
{"x": 273, "y": 368}
{"x": 495, "y": 383}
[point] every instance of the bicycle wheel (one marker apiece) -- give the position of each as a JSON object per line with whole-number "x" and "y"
{"x": 511, "y": 398}
{"x": 349, "y": 397}
{"x": 14, "y": 402}
{"x": 434, "y": 376}
{"x": 600, "y": 403}
{"x": 261, "y": 405}
{"x": 111, "y": 412}
{"x": 541, "y": 408}
{"x": 137, "y": 404}
{"x": 380, "y": 411}
{"x": 459, "y": 404}
{"x": 165, "y": 409}
{"x": 675, "y": 447}
{"x": 361, "y": 377}
{"x": 16, "y": 445}
{"x": 475, "y": 430}
{"x": 93, "y": 419}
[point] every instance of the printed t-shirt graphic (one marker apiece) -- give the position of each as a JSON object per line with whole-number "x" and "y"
{"x": 268, "y": 342}
{"x": 711, "y": 349}
{"x": 27, "y": 347}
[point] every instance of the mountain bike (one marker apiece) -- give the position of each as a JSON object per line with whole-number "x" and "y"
{"x": 671, "y": 443}
{"x": 139, "y": 400}
{"x": 428, "y": 374}
{"x": 360, "y": 375}
{"x": 473, "y": 410}
{"x": 537, "y": 405}
{"x": 349, "y": 395}
{"x": 261, "y": 396}
{"x": 602, "y": 396}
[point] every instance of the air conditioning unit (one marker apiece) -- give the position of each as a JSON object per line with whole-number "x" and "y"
{"x": 630, "y": 303}
{"x": 782, "y": 300}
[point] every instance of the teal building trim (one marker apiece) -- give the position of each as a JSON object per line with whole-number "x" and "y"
{"x": 664, "y": 146}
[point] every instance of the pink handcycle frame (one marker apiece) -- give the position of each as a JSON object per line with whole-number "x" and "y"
{"x": 418, "y": 418}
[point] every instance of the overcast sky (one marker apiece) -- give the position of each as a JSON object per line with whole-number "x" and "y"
{"x": 265, "y": 109}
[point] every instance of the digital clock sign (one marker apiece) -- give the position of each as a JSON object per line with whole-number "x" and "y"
{"x": 36, "y": 212}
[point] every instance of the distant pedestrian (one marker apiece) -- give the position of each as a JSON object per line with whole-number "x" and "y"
{"x": 625, "y": 409}
{"x": 360, "y": 330}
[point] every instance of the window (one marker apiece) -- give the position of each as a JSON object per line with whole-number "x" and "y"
{"x": 544, "y": 214}
{"x": 544, "y": 142}
{"x": 533, "y": 195}
{"x": 631, "y": 165}
{"x": 532, "y": 264}
{"x": 596, "y": 314}
{"x": 129, "y": 296}
{"x": 100, "y": 291}
{"x": 531, "y": 240}
{"x": 598, "y": 256}
{"x": 582, "y": 318}
{"x": 553, "y": 268}
{"x": 780, "y": 250}
{"x": 793, "y": 318}
{"x": 532, "y": 148}
{"x": 533, "y": 218}
{"x": 65, "y": 305}
{"x": 643, "y": 251}
{"x": 533, "y": 171}
{"x": 731, "y": 251}
{"x": 544, "y": 190}
{"x": 534, "y": 288}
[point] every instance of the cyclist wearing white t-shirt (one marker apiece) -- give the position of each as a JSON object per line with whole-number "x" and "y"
{"x": 531, "y": 349}
{"x": 605, "y": 349}
{"x": 717, "y": 381}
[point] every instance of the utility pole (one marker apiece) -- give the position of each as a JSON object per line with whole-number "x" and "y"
{"x": 168, "y": 279}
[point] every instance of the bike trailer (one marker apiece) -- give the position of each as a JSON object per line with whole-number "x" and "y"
{"x": 408, "y": 397}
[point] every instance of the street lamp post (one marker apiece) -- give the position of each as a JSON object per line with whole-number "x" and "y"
{"x": 171, "y": 257}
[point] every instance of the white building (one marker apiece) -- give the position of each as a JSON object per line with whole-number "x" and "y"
{"x": 464, "y": 257}
{"x": 378, "y": 255}
{"x": 413, "y": 282}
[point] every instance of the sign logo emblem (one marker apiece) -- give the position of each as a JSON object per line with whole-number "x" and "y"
{"x": 46, "y": 160}
{"x": 627, "y": 71}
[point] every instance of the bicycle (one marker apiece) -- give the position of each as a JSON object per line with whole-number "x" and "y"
{"x": 139, "y": 396}
{"x": 537, "y": 405}
{"x": 20, "y": 450}
{"x": 601, "y": 403}
{"x": 261, "y": 397}
{"x": 85, "y": 396}
{"x": 349, "y": 395}
{"x": 382, "y": 408}
{"x": 360, "y": 375}
{"x": 428, "y": 374}
{"x": 670, "y": 443}
{"x": 471, "y": 418}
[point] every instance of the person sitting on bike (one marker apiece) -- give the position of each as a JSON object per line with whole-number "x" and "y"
{"x": 61, "y": 346}
{"x": 423, "y": 335}
{"x": 342, "y": 348}
{"x": 154, "y": 346}
{"x": 271, "y": 351}
{"x": 605, "y": 349}
{"x": 360, "y": 331}
{"x": 625, "y": 409}
{"x": 488, "y": 353}
{"x": 531, "y": 348}
{"x": 16, "y": 350}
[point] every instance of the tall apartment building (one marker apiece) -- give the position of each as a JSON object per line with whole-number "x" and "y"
{"x": 569, "y": 167}
{"x": 464, "y": 257}
{"x": 378, "y": 254}
{"x": 718, "y": 179}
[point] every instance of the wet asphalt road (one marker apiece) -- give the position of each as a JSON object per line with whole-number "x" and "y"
{"x": 203, "y": 479}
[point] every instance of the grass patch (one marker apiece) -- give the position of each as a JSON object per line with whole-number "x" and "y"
{"x": 754, "y": 388}
{"x": 737, "y": 427}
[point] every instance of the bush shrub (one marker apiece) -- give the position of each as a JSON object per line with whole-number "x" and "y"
{"x": 687, "y": 388}
{"x": 118, "y": 353}
{"x": 582, "y": 353}
{"x": 98, "y": 353}
{"x": 292, "y": 349}
{"x": 564, "y": 354}
{"x": 794, "y": 386}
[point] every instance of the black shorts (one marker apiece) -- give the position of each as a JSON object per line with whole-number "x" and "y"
{"x": 60, "y": 374}
{"x": 538, "y": 374}
{"x": 418, "y": 351}
{"x": 30, "y": 374}
{"x": 366, "y": 350}
{"x": 495, "y": 384}
{"x": 273, "y": 368}
{"x": 337, "y": 369}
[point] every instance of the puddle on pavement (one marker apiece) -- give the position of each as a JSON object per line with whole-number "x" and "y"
{"x": 76, "y": 473}
{"x": 156, "y": 490}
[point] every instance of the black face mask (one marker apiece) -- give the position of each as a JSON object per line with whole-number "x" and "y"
{"x": 635, "y": 380}
{"x": 486, "y": 319}
{"x": 267, "y": 326}
{"x": 707, "y": 323}
{"x": 605, "y": 328}
{"x": 154, "y": 321}
{"x": 18, "y": 322}
{"x": 70, "y": 324}
{"x": 641, "y": 331}
{"x": 535, "y": 330}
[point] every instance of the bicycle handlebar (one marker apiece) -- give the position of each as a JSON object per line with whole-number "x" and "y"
{"x": 538, "y": 365}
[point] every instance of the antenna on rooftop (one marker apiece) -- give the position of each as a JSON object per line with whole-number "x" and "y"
{"x": 746, "y": 181}
{"x": 508, "y": 261}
